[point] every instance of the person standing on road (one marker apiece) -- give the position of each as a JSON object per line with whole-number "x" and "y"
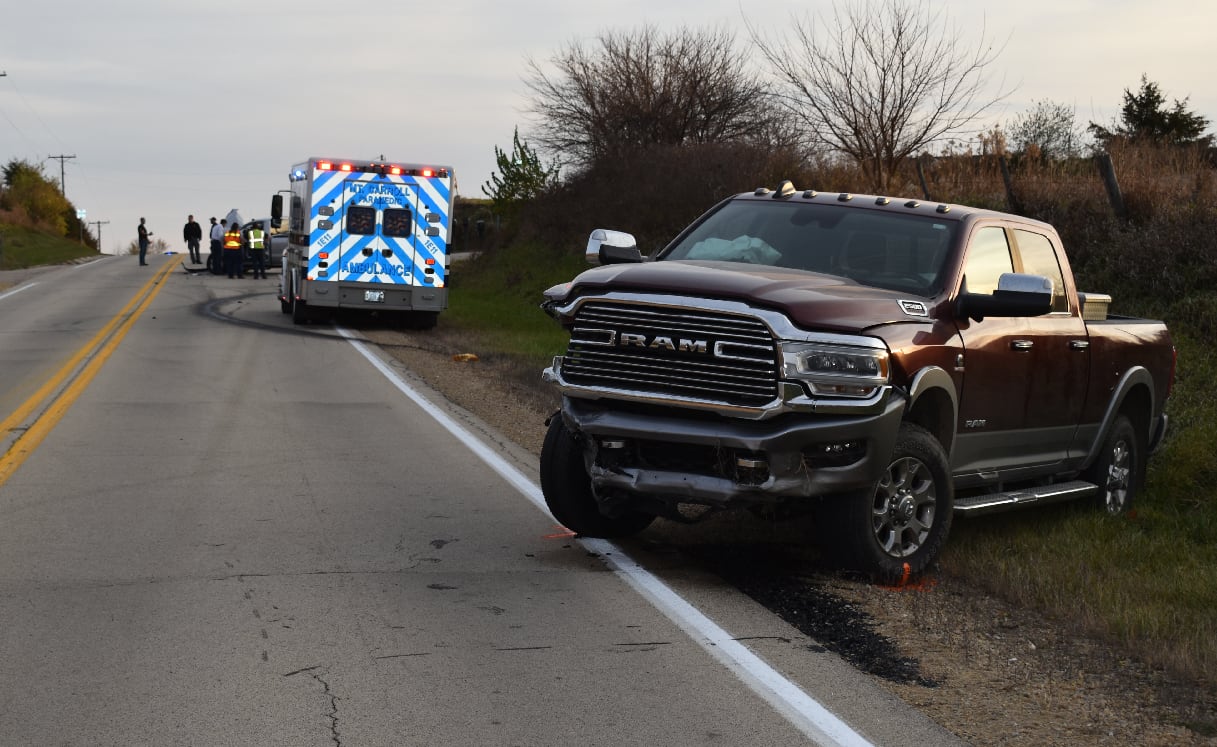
{"x": 193, "y": 234}
{"x": 232, "y": 251}
{"x": 217, "y": 246}
{"x": 144, "y": 233}
{"x": 257, "y": 250}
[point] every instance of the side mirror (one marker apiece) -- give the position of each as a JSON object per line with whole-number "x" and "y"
{"x": 276, "y": 208}
{"x": 605, "y": 247}
{"x": 1017, "y": 295}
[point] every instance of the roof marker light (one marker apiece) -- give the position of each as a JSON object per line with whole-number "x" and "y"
{"x": 325, "y": 166}
{"x": 428, "y": 172}
{"x": 345, "y": 167}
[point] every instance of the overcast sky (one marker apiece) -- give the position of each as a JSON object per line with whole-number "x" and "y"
{"x": 173, "y": 107}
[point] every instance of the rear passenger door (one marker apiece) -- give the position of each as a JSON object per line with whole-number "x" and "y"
{"x": 1060, "y": 356}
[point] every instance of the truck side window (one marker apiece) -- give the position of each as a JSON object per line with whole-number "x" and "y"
{"x": 1039, "y": 258}
{"x": 988, "y": 258}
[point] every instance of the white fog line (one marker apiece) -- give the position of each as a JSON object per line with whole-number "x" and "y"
{"x": 16, "y": 290}
{"x": 800, "y": 709}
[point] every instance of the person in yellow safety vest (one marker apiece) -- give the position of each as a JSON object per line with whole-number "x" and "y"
{"x": 232, "y": 251}
{"x": 257, "y": 250}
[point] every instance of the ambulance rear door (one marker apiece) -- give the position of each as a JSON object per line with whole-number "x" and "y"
{"x": 377, "y": 236}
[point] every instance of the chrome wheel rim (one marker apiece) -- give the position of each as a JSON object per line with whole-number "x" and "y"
{"x": 902, "y": 513}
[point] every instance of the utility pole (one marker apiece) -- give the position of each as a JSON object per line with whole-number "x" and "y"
{"x": 63, "y": 188}
{"x": 99, "y": 224}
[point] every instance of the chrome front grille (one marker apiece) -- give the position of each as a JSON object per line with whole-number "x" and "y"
{"x": 677, "y": 353}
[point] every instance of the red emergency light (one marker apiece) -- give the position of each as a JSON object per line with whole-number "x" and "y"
{"x": 325, "y": 166}
{"x": 395, "y": 170}
{"x": 428, "y": 172}
{"x": 345, "y": 167}
{"x": 430, "y": 261}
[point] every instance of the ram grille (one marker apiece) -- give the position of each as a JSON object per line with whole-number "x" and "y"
{"x": 677, "y": 353}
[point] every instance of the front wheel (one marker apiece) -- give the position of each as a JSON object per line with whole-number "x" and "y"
{"x": 1117, "y": 470}
{"x": 903, "y": 521}
{"x": 568, "y": 489}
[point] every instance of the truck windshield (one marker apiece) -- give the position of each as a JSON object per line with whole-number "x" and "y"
{"x": 871, "y": 247}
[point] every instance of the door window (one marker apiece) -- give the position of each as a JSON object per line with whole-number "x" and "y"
{"x": 361, "y": 220}
{"x": 988, "y": 258}
{"x": 398, "y": 222}
{"x": 1039, "y": 258}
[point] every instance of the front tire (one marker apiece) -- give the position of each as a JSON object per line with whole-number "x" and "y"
{"x": 904, "y": 519}
{"x": 568, "y": 489}
{"x": 1118, "y": 469}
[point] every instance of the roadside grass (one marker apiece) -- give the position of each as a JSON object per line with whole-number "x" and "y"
{"x": 499, "y": 294}
{"x": 1146, "y": 581}
{"x": 24, "y": 247}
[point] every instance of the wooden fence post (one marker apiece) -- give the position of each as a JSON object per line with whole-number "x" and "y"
{"x": 1011, "y": 199}
{"x": 1114, "y": 195}
{"x": 925, "y": 189}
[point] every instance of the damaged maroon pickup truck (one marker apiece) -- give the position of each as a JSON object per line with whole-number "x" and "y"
{"x": 882, "y": 363}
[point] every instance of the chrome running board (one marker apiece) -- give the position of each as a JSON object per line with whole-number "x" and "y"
{"x": 978, "y": 505}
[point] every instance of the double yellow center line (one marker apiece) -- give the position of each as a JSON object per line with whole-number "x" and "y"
{"x": 58, "y": 393}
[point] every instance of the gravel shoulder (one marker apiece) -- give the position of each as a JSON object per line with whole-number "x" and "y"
{"x": 992, "y": 673}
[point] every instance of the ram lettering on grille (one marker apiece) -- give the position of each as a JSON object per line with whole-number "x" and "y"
{"x": 673, "y": 352}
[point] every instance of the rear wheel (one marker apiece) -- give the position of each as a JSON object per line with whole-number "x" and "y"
{"x": 903, "y": 520}
{"x": 1117, "y": 471}
{"x": 300, "y": 312}
{"x": 568, "y": 489}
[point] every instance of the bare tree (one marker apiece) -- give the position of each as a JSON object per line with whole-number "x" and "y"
{"x": 632, "y": 90}
{"x": 1049, "y": 129}
{"x": 880, "y": 81}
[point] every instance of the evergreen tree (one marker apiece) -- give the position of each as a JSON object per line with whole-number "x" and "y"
{"x": 1145, "y": 116}
{"x": 521, "y": 176}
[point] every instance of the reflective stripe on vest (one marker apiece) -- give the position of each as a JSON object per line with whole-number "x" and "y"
{"x": 257, "y": 238}
{"x": 232, "y": 240}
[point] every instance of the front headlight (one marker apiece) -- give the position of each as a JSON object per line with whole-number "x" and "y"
{"x": 836, "y": 370}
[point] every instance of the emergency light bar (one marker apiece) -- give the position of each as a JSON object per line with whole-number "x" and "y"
{"x": 380, "y": 168}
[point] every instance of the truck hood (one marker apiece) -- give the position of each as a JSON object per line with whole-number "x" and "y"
{"x": 811, "y": 300}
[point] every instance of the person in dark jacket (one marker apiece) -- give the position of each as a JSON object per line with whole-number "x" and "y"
{"x": 192, "y": 233}
{"x": 215, "y": 261}
{"x": 144, "y": 233}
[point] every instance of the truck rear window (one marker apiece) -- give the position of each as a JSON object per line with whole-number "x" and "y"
{"x": 871, "y": 247}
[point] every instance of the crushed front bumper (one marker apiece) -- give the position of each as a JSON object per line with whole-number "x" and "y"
{"x": 670, "y": 457}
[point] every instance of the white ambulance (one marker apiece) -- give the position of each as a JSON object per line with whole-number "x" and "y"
{"x": 366, "y": 235}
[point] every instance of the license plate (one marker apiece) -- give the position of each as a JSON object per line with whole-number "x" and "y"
{"x": 376, "y": 296}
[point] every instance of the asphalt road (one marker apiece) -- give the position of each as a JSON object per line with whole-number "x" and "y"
{"x": 218, "y": 528}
